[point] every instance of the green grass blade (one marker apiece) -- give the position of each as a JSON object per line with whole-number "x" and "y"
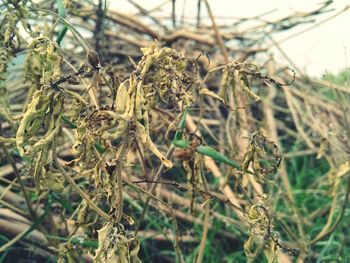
{"x": 61, "y": 35}
{"x": 61, "y": 9}
{"x": 70, "y": 124}
{"x": 62, "y": 12}
{"x": 99, "y": 148}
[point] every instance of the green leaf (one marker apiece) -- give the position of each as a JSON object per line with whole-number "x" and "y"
{"x": 208, "y": 151}
{"x": 62, "y": 12}
{"x": 100, "y": 148}
{"x": 61, "y": 35}
{"x": 70, "y": 124}
{"x": 61, "y": 9}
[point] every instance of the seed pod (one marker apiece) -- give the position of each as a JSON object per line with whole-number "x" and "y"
{"x": 94, "y": 59}
{"x": 122, "y": 99}
{"x": 256, "y": 163}
{"x": 248, "y": 156}
{"x": 224, "y": 83}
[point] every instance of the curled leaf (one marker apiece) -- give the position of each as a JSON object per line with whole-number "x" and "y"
{"x": 31, "y": 121}
{"x": 116, "y": 246}
{"x": 54, "y": 181}
{"x": 146, "y": 140}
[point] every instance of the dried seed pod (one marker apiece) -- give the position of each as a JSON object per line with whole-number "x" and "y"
{"x": 224, "y": 83}
{"x": 248, "y": 156}
{"x": 122, "y": 99}
{"x": 256, "y": 162}
{"x": 94, "y": 59}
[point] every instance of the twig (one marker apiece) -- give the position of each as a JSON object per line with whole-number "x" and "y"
{"x": 204, "y": 233}
{"x": 313, "y": 26}
{"x": 147, "y": 13}
{"x": 152, "y": 196}
{"x": 218, "y": 37}
{"x": 153, "y": 188}
{"x": 339, "y": 219}
{"x": 76, "y": 187}
{"x": 206, "y": 219}
{"x": 206, "y": 194}
{"x": 19, "y": 179}
{"x": 199, "y": 3}
{"x": 173, "y": 14}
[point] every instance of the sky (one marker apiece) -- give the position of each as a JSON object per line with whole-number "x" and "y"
{"x": 322, "y": 50}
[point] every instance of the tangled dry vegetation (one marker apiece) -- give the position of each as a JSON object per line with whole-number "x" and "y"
{"x": 116, "y": 147}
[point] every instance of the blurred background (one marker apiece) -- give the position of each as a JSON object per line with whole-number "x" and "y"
{"x": 317, "y": 46}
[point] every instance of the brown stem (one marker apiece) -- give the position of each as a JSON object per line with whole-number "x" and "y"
{"x": 76, "y": 187}
{"x": 19, "y": 179}
{"x": 153, "y": 187}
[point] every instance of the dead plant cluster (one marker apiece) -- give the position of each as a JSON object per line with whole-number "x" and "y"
{"x": 101, "y": 135}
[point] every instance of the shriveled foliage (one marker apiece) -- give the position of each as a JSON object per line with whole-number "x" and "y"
{"x": 119, "y": 148}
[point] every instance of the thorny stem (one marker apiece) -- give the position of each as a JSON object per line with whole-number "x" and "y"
{"x": 76, "y": 187}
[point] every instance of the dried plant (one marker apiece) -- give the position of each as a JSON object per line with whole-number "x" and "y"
{"x": 99, "y": 134}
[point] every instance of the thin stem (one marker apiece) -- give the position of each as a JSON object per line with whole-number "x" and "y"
{"x": 154, "y": 186}
{"x": 218, "y": 36}
{"x": 152, "y": 196}
{"x": 76, "y": 187}
{"x": 75, "y": 32}
{"x": 202, "y": 192}
{"x": 206, "y": 218}
{"x": 340, "y": 218}
{"x": 19, "y": 179}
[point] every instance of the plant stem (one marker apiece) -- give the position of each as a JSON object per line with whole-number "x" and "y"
{"x": 76, "y": 187}
{"x": 153, "y": 187}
